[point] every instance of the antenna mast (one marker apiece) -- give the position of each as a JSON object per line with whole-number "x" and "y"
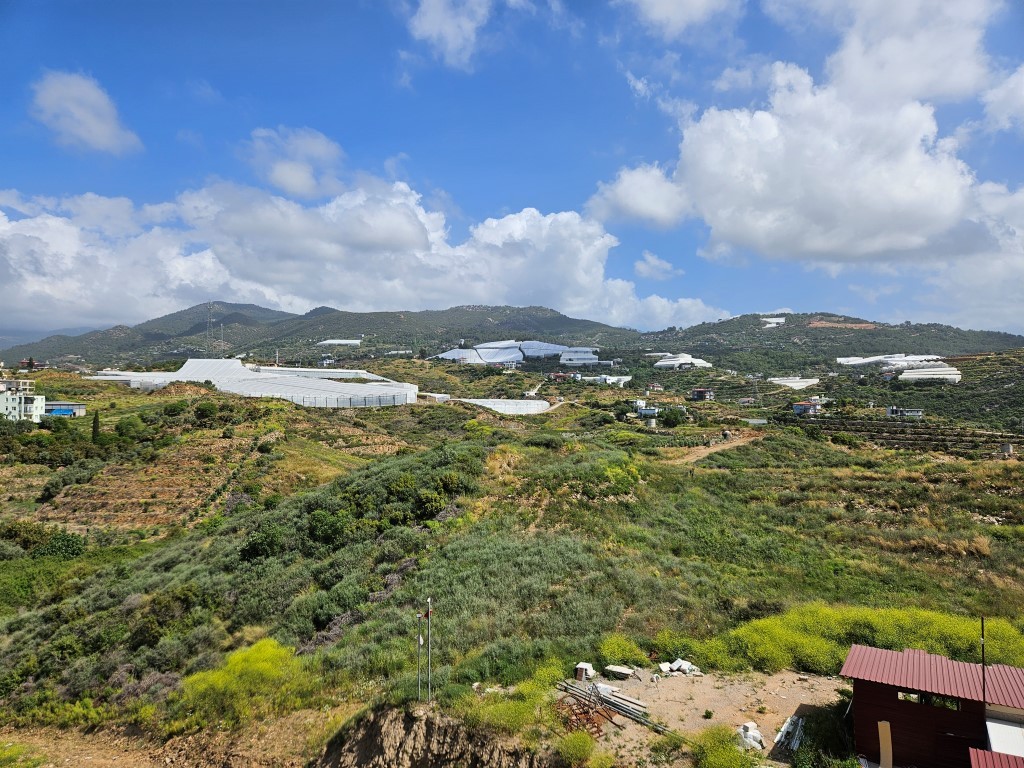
{"x": 984, "y": 692}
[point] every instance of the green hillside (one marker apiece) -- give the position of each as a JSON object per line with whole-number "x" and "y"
{"x": 805, "y": 343}
{"x": 248, "y": 329}
{"x": 180, "y": 334}
{"x": 809, "y": 342}
{"x": 539, "y": 537}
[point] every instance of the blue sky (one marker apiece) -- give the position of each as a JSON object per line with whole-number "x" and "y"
{"x": 642, "y": 162}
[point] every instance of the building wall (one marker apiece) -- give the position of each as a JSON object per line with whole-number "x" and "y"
{"x": 922, "y": 734}
{"x": 17, "y": 406}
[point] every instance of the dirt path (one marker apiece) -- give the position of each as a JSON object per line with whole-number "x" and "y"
{"x": 696, "y": 454}
{"x": 287, "y": 742}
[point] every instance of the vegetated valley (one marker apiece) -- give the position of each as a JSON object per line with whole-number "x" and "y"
{"x": 193, "y": 572}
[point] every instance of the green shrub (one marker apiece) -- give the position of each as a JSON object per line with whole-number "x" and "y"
{"x": 575, "y": 748}
{"x": 62, "y": 544}
{"x": 616, "y": 648}
{"x": 715, "y": 747}
{"x": 17, "y": 756}
{"x": 512, "y": 714}
{"x": 816, "y": 637}
{"x": 263, "y": 679}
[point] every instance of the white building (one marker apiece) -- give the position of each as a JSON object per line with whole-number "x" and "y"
{"x": 578, "y": 356}
{"x": 682, "y": 360}
{"x": 339, "y": 343}
{"x": 793, "y": 382}
{"x": 898, "y": 360}
{"x": 18, "y": 400}
{"x": 501, "y": 352}
{"x": 896, "y": 412}
{"x": 310, "y": 387}
{"x": 944, "y": 373}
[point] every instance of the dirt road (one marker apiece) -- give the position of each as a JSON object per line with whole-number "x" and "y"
{"x": 690, "y": 455}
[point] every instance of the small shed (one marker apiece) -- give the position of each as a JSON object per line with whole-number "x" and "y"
{"x": 926, "y": 709}
{"x": 62, "y": 408}
{"x": 897, "y": 412}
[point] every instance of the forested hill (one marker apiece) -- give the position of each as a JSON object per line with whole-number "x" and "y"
{"x": 221, "y": 329}
{"x": 805, "y": 341}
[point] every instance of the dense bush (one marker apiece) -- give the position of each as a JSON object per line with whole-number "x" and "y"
{"x": 257, "y": 681}
{"x": 816, "y": 637}
{"x": 575, "y": 748}
{"x": 61, "y": 544}
{"x": 616, "y": 648}
{"x": 716, "y": 747}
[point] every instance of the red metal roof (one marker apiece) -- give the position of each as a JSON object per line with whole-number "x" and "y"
{"x": 930, "y": 673}
{"x": 981, "y": 758}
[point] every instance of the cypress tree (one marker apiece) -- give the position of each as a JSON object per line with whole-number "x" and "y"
{"x": 95, "y": 426}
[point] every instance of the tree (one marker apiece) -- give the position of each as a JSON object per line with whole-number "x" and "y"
{"x": 95, "y": 426}
{"x": 672, "y": 417}
{"x": 31, "y": 364}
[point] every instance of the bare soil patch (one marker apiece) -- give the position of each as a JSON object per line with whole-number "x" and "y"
{"x": 287, "y": 742}
{"x": 690, "y": 455}
{"x": 855, "y": 326}
{"x": 681, "y": 703}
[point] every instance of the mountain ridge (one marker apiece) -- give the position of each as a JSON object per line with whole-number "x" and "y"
{"x": 218, "y": 329}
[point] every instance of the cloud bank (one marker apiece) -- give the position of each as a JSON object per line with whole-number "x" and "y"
{"x": 97, "y": 260}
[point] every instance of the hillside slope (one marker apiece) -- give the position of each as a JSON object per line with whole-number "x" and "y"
{"x": 246, "y": 328}
{"x": 808, "y": 341}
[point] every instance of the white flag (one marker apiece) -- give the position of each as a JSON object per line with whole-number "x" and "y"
{"x": 421, "y": 639}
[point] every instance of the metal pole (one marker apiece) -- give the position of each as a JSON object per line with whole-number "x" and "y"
{"x": 419, "y": 654}
{"x": 430, "y": 685}
{"x": 984, "y": 697}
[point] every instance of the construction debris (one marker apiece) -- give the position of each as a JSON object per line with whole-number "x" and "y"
{"x": 584, "y": 671}
{"x": 597, "y": 695}
{"x": 750, "y": 736}
{"x": 790, "y": 734}
{"x": 685, "y": 667}
{"x": 580, "y": 715}
{"x": 619, "y": 672}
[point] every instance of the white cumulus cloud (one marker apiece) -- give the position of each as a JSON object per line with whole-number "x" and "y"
{"x": 450, "y": 27}
{"x": 94, "y": 260}
{"x": 300, "y": 162}
{"x": 1004, "y": 104}
{"x": 644, "y": 192}
{"x": 911, "y": 49}
{"x": 81, "y": 114}
{"x": 815, "y": 176}
{"x": 654, "y": 268}
{"x": 671, "y": 18}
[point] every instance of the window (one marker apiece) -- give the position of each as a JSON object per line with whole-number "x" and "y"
{"x": 913, "y": 698}
{"x": 943, "y": 702}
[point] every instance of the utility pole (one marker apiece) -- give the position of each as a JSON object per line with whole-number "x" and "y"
{"x": 419, "y": 654}
{"x": 984, "y": 692}
{"x": 430, "y": 686}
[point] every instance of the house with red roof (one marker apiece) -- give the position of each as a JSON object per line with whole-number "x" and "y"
{"x": 913, "y": 708}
